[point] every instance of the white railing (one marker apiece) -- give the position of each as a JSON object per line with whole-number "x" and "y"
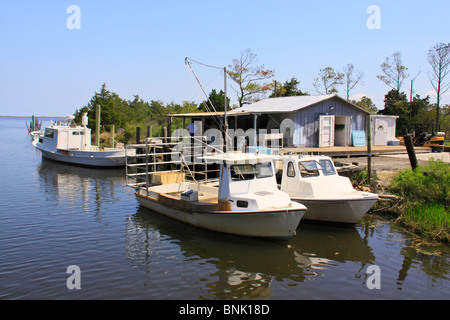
{"x": 147, "y": 163}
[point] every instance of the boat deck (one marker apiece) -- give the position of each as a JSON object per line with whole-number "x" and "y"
{"x": 202, "y": 197}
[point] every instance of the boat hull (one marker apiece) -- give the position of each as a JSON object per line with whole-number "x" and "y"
{"x": 276, "y": 224}
{"x": 336, "y": 210}
{"x": 105, "y": 159}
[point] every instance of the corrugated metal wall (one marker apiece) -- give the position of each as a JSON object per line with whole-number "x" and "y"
{"x": 307, "y": 120}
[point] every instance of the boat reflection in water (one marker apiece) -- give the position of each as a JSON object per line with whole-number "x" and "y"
{"x": 240, "y": 267}
{"x": 74, "y": 186}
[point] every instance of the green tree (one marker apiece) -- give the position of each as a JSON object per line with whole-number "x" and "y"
{"x": 113, "y": 109}
{"x": 288, "y": 89}
{"x": 328, "y": 80}
{"x": 247, "y": 75}
{"x": 396, "y": 103}
{"x": 367, "y": 104}
{"x": 217, "y": 100}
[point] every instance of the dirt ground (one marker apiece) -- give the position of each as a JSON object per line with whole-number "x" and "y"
{"x": 388, "y": 166}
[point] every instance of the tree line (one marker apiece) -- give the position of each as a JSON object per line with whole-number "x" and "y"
{"x": 250, "y": 81}
{"x": 249, "y": 85}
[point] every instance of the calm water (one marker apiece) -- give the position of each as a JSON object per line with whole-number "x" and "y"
{"x": 53, "y": 216}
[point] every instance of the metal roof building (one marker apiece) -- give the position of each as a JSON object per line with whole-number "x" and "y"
{"x": 322, "y": 120}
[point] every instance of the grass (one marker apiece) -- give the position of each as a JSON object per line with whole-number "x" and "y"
{"x": 431, "y": 220}
{"x": 426, "y": 199}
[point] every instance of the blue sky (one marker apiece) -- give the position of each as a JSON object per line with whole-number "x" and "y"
{"x": 139, "y": 47}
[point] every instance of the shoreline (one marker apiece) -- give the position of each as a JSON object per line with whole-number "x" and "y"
{"x": 400, "y": 208}
{"x": 29, "y": 117}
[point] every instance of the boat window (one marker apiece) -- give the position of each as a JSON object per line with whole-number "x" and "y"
{"x": 243, "y": 172}
{"x": 78, "y": 133}
{"x": 327, "y": 167}
{"x": 309, "y": 168}
{"x": 264, "y": 170}
{"x": 242, "y": 204}
{"x": 49, "y": 133}
{"x": 290, "y": 170}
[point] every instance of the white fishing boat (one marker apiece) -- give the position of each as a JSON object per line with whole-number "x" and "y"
{"x": 313, "y": 181}
{"x": 246, "y": 201}
{"x": 69, "y": 143}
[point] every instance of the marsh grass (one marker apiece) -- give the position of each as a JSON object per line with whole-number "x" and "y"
{"x": 426, "y": 194}
{"x": 430, "y": 220}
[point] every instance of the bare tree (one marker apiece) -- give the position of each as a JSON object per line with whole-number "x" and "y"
{"x": 439, "y": 59}
{"x": 394, "y": 71}
{"x": 329, "y": 80}
{"x": 247, "y": 75}
{"x": 351, "y": 81}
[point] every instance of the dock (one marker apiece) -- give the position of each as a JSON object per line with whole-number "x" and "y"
{"x": 346, "y": 151}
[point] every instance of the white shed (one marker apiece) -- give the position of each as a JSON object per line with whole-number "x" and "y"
{"x": 383, "y": 130}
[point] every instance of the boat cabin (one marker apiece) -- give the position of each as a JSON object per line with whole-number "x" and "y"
{"x": 311, "y": 176}
{"x": 66, "y": 137}
{"x": 248, "y": 182}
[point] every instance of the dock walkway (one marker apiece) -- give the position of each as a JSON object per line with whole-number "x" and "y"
{"x": 353, "y": 151}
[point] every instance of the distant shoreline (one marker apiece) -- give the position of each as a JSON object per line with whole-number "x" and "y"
{"x": 29, "y": 117}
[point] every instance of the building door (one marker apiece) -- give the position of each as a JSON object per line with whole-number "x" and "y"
{"x": 326, "y": 131}
{"x": 342, "y": 130}
{"x": 380, "y": 132}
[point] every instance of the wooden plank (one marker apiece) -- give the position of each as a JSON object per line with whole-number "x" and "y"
{"x": 354, "y": 151}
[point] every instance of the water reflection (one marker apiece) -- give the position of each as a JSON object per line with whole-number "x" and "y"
{"x": 245, "y": 267}
{"x": 415, "y": 254}
{"x": 86, "y": 188}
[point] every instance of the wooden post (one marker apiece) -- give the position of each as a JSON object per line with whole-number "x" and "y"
{"x": 138, "y": 135}
{"x": 112, "y": 136}
{"x": 169, "y": 127}
{"x": 165, "y": 132}
{"x": 369, "y": 148}
{"x": 97, "y": 125}
{"x": 411, "y": 152}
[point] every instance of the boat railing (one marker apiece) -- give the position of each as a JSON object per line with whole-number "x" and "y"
{"x": 165, "y": 160}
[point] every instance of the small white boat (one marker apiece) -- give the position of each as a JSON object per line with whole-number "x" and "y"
{"x": 246, "y": 201}
{"x": 314, "y": 182}
{"x": 68, "y": 143}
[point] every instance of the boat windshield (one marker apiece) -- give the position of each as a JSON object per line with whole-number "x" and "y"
{"x": 309, "y": 168}
{"x": 250, "y": 171}
{"x": 327, "y": 167}
{"x": 49, "y": 133}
